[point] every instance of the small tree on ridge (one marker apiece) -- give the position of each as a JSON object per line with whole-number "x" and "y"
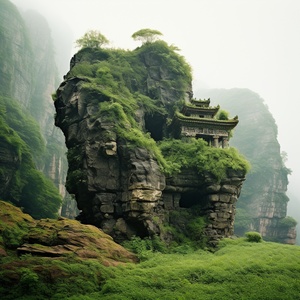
{"x": 146, "y": 35}
{"x": 92, "y": 39}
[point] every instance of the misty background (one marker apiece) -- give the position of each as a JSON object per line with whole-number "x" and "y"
{"x": 228, "y": 43}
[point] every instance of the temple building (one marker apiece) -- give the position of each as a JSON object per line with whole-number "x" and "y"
{"x": 197, "y": 119}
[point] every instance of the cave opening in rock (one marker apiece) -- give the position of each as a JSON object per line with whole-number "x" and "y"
{"x": 155, "y": 125}
{"x": 192, "y": 198}
{"x": 138, "y": 228}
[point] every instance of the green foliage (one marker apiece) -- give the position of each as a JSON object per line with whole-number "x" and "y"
{"x": 253, "y": 236}
{"x": 222, "y": 115}
{"x": 150, "y": 106}
{"x": 83, "y": 69}
{"x": 194, "y": 153}
{"x": 28, "y": 187}
{"x": 29, "y": 280}
{"x": 238, "y": 270}
{"x": 204, "y": 275}
{"x": 174, "y": 63}
{"x": 44, "y": 278}
{"x": 39, "y": 196}
{"x": 195, "y": 228}
{"x": 13, "y": 236}
{"x": 243, "y": 221}
{"x": 117, "y": 83}
{"x": 287, "y": 222}
{"x": 146, "y": 35}
{"x": 26, "y": 127}
{"x": 145, "y": 247}
{"x": 92, "y": 39}
{"x": 187, "y": 229}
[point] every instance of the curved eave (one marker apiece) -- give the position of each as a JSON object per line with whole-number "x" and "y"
{"x": 204, "y": 110}
{"x": 200, "y": 102}
{"x": 195, "y": 122}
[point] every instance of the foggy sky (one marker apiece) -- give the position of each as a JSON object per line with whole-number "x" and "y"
{"x": 251, "y": 44}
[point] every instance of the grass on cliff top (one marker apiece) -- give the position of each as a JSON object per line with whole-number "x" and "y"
{"x": 238, "y": 270}
{"x": 115, "y": 79}
{"x": 194, "y": 153}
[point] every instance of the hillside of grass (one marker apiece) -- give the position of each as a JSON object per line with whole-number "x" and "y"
{"x": 238, "y": 270}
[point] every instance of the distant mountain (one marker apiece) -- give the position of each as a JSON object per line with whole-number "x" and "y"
{"x": 262, "y": 205}
{"x": 28, "y": 77}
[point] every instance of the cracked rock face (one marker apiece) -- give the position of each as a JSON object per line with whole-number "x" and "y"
{"x": 121, "y": 189}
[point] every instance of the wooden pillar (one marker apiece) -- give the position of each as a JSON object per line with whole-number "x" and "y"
{"x": 216, "y": 141}
{"x": 225, "y": 142}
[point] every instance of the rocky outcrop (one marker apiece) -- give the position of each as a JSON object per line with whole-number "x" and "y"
{"x": 216, "y": 201}
{"x": 120, "y": 187}
{"x": 57, "y": 238}
{"x": 108, "y": 179}
{"x": 263, "y": 203}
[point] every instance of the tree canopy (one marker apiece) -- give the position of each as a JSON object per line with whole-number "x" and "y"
{"x": 146, "y": 35}
{"x": 92, "y": 39}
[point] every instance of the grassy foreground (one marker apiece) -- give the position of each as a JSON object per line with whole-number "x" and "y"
{"x": 238, "y": 270}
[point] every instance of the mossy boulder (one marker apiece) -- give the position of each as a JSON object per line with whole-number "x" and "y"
{"x": 21, "y": 234}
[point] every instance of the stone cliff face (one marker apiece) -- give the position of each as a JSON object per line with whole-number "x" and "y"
{"x": 263, "y": 203}
{"x": 16, "y": 55}
{"x": 121, "y": 188}
{"x": 28, "y": 74}
{"x": 41, "y": 104}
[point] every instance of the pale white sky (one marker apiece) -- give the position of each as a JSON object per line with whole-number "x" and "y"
{"x": 251, "y": 44}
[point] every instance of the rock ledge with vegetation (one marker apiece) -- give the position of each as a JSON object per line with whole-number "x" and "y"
{"x": 61, "y": 238}
{"x": 128, "y": 174}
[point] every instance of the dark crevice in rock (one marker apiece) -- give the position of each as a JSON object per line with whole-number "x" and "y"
{"x": 155, "y": 124}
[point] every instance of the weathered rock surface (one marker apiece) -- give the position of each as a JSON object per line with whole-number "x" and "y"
{"x": 214, "y": 200}
{"x": 121, "y": 189}
{"x": 115, "y": 182}
{"x": 57, "y": 238}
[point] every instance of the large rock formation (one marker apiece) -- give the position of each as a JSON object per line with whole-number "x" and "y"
{"x": 263, "y": 203}
{"x": 119, "y": 186}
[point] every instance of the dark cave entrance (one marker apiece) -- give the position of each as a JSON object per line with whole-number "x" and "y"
{"x": 155, "y": 124}
{"x": 138, "y": 228}
{"x": 193, "y": 198}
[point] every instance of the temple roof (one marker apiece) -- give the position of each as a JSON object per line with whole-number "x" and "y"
{"x": 201, "y": 103}
{"x": 192, "y": 109}
{"x": 205, "y": 122}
